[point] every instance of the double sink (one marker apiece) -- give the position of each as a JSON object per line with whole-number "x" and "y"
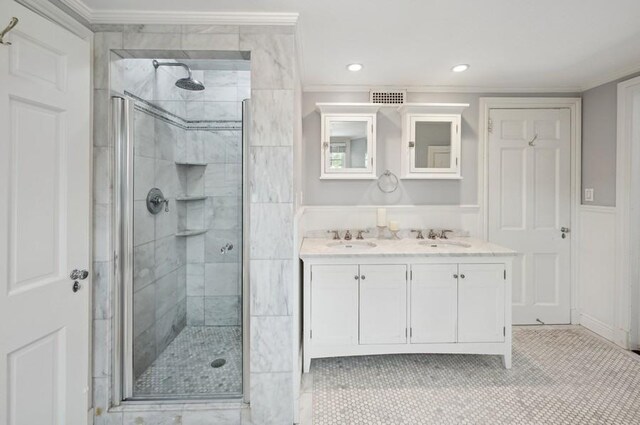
{"x": 364, "y": 245}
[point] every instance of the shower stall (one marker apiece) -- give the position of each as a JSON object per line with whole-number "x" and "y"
{"x": 180, "y": 220}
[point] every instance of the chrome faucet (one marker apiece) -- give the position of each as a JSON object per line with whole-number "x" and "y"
{"x": 432, "y": 234}
{"x": 443, "y": 233}
{"x": 347, "y": 236}
{"x": 419, "y": 232}
{"x": 336, "y": 234}
{"x": 359, "y": 235}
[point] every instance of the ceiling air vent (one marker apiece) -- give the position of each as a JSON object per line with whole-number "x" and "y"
{"x": 388, "y": 97}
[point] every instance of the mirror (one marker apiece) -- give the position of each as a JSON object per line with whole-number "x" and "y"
{"x": 348, "y": 145}
{"x": 433, "y": 144}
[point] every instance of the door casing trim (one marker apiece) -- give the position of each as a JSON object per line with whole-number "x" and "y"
{"x": 574, "y": 104}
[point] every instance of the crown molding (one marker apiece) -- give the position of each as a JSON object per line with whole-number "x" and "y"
{"x": 438, "y": 89}
{"x": 95, "y": 16}
{"x": 613, "y": 76}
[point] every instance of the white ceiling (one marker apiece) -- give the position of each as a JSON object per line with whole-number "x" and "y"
{"x": 511, "y": 44}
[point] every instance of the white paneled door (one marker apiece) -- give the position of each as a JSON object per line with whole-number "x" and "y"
{"x": 529, "y": 205}
{"x": 44, "y": 222}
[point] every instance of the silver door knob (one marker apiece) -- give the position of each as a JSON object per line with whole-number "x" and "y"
{"x": 79, "y": 274}
{"x": 564, "y": 231}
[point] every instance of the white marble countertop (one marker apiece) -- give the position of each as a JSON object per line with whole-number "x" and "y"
{"x": 460, "y": 246}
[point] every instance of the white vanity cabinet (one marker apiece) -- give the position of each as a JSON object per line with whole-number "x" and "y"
{"x": 481, "y": 298}
{"x": 334, "y": 292}
{"x": 433, "y": 303}
{"x": 383, "y": 304}
{"x": 441, "y": 304}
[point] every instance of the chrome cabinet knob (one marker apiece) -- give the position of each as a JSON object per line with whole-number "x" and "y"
{"x": 461, "y": 276}
{"x": 356, "y": 277}
{"x": 455, "y": 276}
{"x": 362, "y": 277}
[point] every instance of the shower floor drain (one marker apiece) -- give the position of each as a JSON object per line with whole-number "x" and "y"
{"x": 218, "y": 363}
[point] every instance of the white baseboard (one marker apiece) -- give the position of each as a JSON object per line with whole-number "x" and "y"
{"x": 619, "y": 337}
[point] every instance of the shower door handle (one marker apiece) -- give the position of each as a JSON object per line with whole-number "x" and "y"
{"x": 228, "y": 247}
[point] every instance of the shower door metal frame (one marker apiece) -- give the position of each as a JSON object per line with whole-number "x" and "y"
{"x": 122, "y": 112}
{"x": 122, "y": 115}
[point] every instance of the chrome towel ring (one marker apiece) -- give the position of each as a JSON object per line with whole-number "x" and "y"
{"x": 390, "y": 181}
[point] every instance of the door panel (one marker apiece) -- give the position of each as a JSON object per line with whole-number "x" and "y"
{"x": 383, "y": 304}
{"x": 529, "y": 202}
{"x": 434, "y": 303}
{"x": 334, "y": 305}
{"x": 44, "y": 221}
{"x": 481, "y": 295}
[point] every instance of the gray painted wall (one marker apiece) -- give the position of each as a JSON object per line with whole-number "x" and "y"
{"x": 599, "y": 116}
{"x": 410, "y": 192}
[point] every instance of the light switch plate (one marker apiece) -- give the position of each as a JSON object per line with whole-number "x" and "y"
{"x": 588, "y": 195}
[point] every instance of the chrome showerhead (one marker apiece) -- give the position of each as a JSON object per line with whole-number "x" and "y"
{"x": 188, "y": 83}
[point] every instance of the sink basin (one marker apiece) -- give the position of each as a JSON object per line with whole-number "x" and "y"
{"x": 351, "y": 245}
{"x": 444, "y": 244}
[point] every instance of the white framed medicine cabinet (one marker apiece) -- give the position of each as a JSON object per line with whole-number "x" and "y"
{"x": 348, "y": 140}
{"x": 431, "y": 140}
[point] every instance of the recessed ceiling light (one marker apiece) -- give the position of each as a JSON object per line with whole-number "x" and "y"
{"x": 354, "y": 67}
{"x": 460, "y": 68}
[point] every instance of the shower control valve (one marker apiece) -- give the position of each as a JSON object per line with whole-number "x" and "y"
{"x": 156, "y": 200}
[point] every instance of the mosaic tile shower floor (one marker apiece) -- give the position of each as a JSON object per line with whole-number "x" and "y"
{"x": 184, "y": 367}
{"x": 559, "y": 376}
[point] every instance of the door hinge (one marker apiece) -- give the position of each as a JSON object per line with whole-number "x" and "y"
{"x": 456, "y": 161}
{"x": 410, "y": 332}
{"x": 310, "y": 334}
{"x": 505, "y": 275}
{"x": 504, "y": 331}
{"x": 411, "y": 274}
{"x": 490, "y": 126}
{"x": 310, "y": 275}
{"x": 456, "y": 128}
{"x": 406, "y": 275}
{"x": 406, "y": 332}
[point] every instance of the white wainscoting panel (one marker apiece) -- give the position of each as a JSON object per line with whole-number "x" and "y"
{"x": 596, "y": 270}
{"x": 455, "y": 217}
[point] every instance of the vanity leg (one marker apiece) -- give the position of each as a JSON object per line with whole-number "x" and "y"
{"x": 506, "y": 360}
{"x": 306, "y": 363}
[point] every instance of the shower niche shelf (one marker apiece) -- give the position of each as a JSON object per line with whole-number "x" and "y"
{"x": 190, "y": 232}
{"x": 191, "y": 198}
{"x": 191, "y": 164}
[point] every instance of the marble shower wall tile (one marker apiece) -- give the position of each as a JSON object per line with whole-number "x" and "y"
{"x": 222, "y": 279}
{"x": 272, "y": 226}
{"x": 271, "y": 287}
{"x": 101, "y": 293}
{"x": 210, "y": 41}
{"x": 271, "y": 344}
{"x": 272, "y": 398}
{"x": 272, "y": 114}
{"x": 195, "y": 311}
{"x": 271, "y": 180}
{"x": 272, "y": 60}
{"x": 151, "y": 41}
{"x": 102, "y": 167}
{"x": 222, "y": 311}
{"x": 102, "y": 42}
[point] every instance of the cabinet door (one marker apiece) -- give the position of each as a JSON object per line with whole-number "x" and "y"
{"x": 334, "y": 305}
{"x": 481, "y": 303}
{"x": 434, "y": 303}
{"x": 434, "y": 144}
{"x": 383, "y": 304}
